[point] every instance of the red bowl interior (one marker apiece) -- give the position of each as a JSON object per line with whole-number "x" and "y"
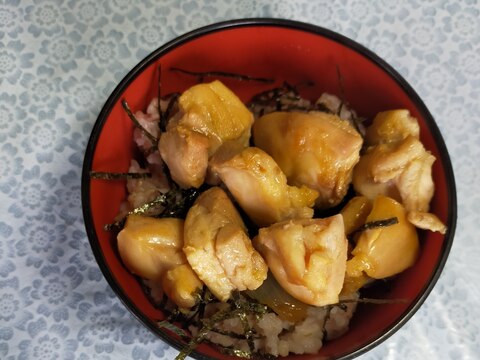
{"x": 284, "y": 51}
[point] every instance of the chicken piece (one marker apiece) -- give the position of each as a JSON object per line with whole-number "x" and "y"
{"x": 216, "y": 112}
{"x": 351, "y": 284}
{"x": 218, "y": 248}
{"x": 392, "y": 159}
{"x": 186, "y": 154}
{"x": 225, "y": 152}
{"x": 315, "y": 149}
{"x": 363, "y": 181}
{"x": 260, "y": 187}
{"x": 181, "y": 283}
{"x": 396, "y": 164}
{"x": 355, "y": 213}
{"x": 415, "y": 184}
{"x": 307, "y": 257}
{"x": 149, "y": 246}
{"x": 209, "y": 115}
{"x": 392, "y": 126}
{"x": 385, "y": 251}
{"x": 426, "y": 221}
{"x": 399, "y": 170}
{"x": 152, "y": 249}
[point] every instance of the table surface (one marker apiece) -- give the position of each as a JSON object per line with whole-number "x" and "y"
{"x": 59, "y": 60}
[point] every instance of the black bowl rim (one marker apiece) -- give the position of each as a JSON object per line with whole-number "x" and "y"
{"x": 295, "y": 25}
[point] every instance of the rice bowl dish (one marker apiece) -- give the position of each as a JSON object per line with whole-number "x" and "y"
{"x": 267, "y": 191}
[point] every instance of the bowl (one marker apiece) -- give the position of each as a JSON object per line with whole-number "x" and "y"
{"x": 286, "y": 51}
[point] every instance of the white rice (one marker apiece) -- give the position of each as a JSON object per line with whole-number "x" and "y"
{"x": 278, "y": 337}
{"x": 273, "y": 335}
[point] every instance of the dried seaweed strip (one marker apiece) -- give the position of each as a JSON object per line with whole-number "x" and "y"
{"x": 374, "y": 301}
{"x": 328, "y": 309}
{"x": 132, "y": 117}
{"x": 201, "y": 75}
{"x": 175, "y": 204}
{"x": 234, "y": 335}
{"x": 247, "y": 329}
{"x": 241, "y": 307}
{"x": 178, "y": 202}
{"x": 230, "y": 350}
{"x": 159, "y": 96}
{"x": 203, "y": 332}
{"x": 196, "y": 314}
{"x": 342, "y": 90}
{"x": 166, "y": 324}
{"x": 379, "y": 223}
{"x": 101, "y": 175}
{"x": 159, "y": 200}
{"x": 205, "y": 298}
{"x": 165, "y": 117}
{"x": 322, "y": 108}
{"x": 283, "y": 98}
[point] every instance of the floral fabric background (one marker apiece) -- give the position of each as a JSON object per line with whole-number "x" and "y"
{"x": 60, "y": 59}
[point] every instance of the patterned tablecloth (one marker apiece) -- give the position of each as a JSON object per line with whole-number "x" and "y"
{"x": 60, "y": 59}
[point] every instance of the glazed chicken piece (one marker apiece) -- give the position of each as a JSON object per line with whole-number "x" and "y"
{"x": 260, "y": 187}
{"x": 396, "y": 164}
{"x": 209, "y": 115}
{"x": 152, "y": 249}
{"x": 426, "y": 221}
{"x": 218, "y": 248}
{"x": 384, "y": 251}
{"x": 398, "y": 170}
{"x": 307, "y": 257}
{"x": 186, "y": 154}
{"x": 391, "y": 127}
{"x": 225, "y": 152}
{"x": 315, "y": 149}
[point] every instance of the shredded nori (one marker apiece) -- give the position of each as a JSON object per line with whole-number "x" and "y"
{"x": 283, "y": 98}
{"x": 118, "y": 176}
{"x": 201, "y": 75}
{"x": 239, "y": 306}
{"x": 159, "y": 95}
{"x": 178, "y": 202}
{"x": 175, "y": 204}
{"x": 165, "y": 115}
{"x": 374, "y": 301}
{"x": 341, "y": 89}
{"x": 379, "y": 223}
{"x": 132, "y": 117}
{"x": 166, "y": 324}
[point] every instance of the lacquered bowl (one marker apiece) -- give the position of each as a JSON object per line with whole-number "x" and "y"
{"x": 285, "y": 51}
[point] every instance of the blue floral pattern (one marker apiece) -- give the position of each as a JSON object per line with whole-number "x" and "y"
{"x": 41, "y": 90}
{"x": 59, "y": 61}
{"x": 63, "y": 50}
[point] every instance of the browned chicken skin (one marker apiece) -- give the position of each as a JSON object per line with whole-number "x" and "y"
{"x": 396, "y": 164}
{"x": 307, "y": 257}
{"x": 210, "y": 115}
{"x": 152, "y": 249}
{"x": 315, "y": 149}
{"x": 260, "y": 187}
{"x": 218, "y": 248}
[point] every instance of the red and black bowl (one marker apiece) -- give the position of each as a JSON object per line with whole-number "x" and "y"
{"x": 286, "y": 51}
